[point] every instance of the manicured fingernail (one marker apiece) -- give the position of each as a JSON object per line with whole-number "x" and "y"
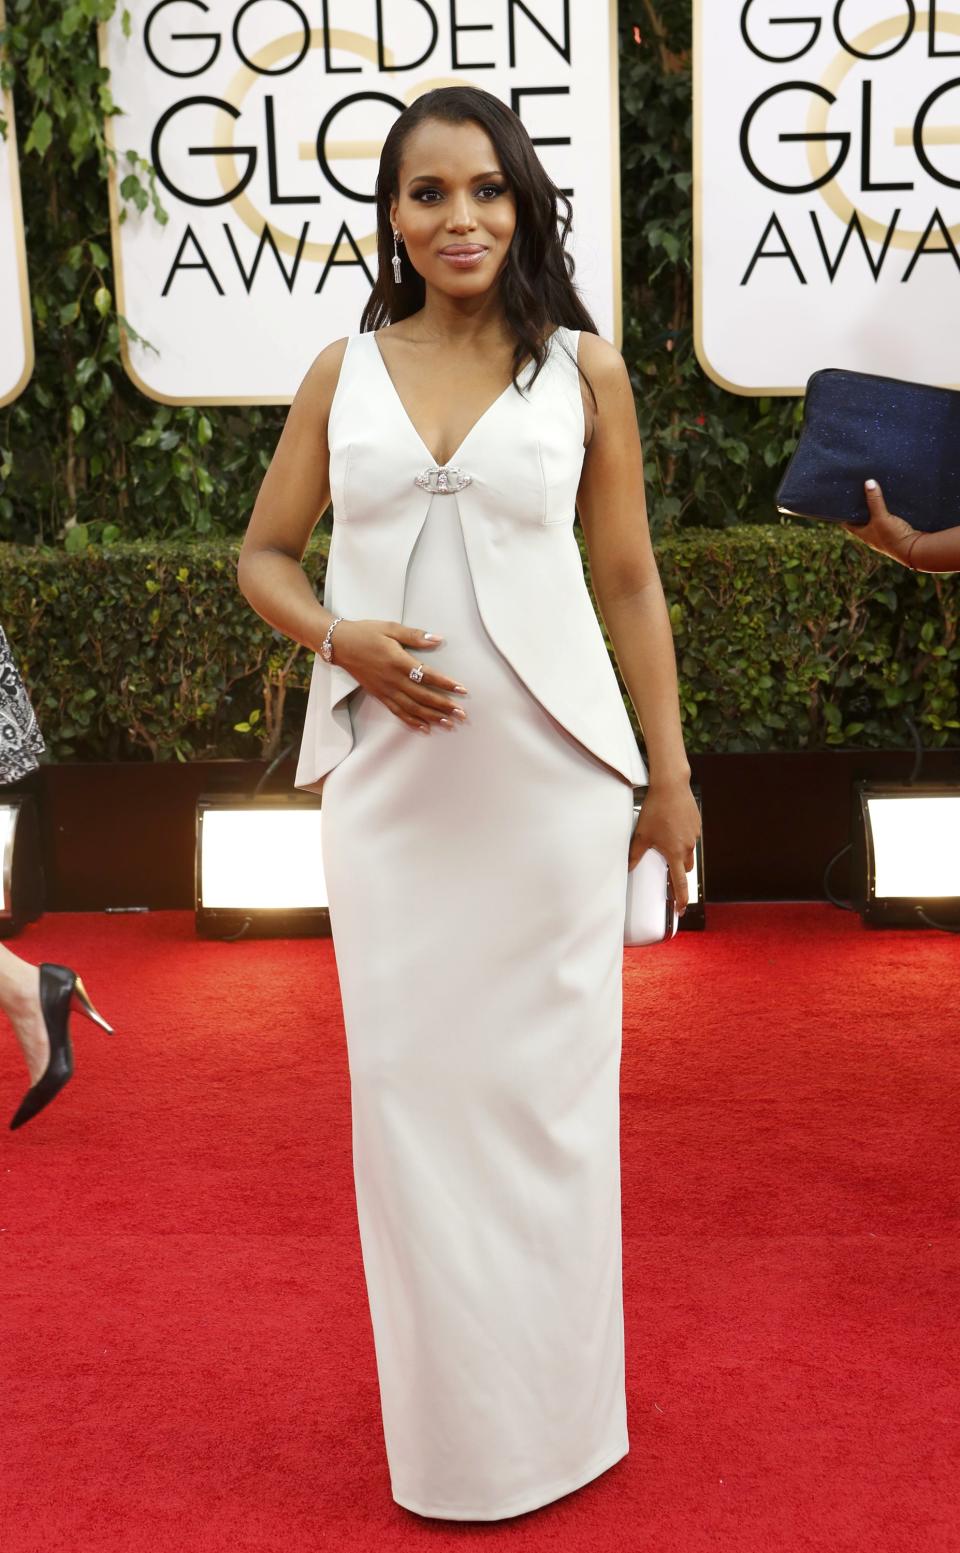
{"x": 871, "y": 485}
{"x": 445, "y": 722}
{"x": 431, "y": 636}
{"x": 424, "y": 727}
{"x": 457, "y": 711}
{"x": 462, "y": 689}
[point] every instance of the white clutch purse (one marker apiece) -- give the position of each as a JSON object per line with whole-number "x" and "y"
{"x": 651, "y": 916}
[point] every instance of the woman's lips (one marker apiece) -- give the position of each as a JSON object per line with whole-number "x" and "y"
{"x": 463, "y": 258}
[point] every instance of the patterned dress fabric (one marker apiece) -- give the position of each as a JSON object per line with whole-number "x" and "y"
{"x": 21, "y": 742}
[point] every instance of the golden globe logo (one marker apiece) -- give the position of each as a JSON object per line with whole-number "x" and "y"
{"x": 240, "y": 119}
{"x": 264, "y": 121}
{"x": 831, "y": 151}
{"x": 235, "y": 164}
{"x": 827, "y": 219}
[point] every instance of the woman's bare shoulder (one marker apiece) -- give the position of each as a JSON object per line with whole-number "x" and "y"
{"x": 320, "y": 383}
{"x": 601, "y": 360}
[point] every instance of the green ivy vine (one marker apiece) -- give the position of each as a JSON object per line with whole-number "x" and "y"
{"x": 84, "y": 456}
{"x": 712, "y": 458}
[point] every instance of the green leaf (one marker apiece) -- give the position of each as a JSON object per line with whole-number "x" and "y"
{"x": 71, "y": 20}
{"x": 132, "y": 189}
{"x": 77, "y": 538}
{"x": 41, "y": 134}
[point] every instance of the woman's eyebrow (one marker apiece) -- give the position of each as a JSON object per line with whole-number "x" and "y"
{"x": 437, "y": 178}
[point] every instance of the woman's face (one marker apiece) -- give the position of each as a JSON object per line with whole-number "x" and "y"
{"x": 454, "y": 210}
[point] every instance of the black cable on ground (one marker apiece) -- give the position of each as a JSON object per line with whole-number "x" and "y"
{"x": 275, "y": 762}
{"x": 229, "y": 938}
{"x": 942, "y": 927}
{"x": 834, "y": 899}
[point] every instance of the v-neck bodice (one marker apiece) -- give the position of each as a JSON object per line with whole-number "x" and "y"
{"x": 525, "y": 451}
{"x": 523, "y": 378}
{"x": 511, "y": 486}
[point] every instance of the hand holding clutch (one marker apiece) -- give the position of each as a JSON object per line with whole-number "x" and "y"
{"x": 651, "y": 914}
{"x": 885, "y": 533}
{"x": 892, "y": 536}
{"x": 857, "y": 425}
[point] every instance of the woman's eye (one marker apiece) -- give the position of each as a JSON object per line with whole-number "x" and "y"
{"x": 487, "y": 188}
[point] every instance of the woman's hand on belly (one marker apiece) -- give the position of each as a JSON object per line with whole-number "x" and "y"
{"x": 375, "y": 653}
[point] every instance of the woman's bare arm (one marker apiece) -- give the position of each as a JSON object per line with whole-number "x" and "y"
{"x": 612, "y": 506}
{"x": 293, "y": 496}
{"x": 939, "y": 552}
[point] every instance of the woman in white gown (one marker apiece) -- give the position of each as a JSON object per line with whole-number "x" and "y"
{"x": 477, "y": 889}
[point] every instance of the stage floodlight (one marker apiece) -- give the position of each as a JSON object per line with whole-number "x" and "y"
{"x": 906, "y": 853}
{"x": 259, "y": 868}
{"x": 21, "y": 864}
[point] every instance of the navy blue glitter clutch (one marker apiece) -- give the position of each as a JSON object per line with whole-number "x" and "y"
{"x": 857, "y": 426}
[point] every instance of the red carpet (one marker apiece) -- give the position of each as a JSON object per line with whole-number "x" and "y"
{"x": 187, "y": 1357}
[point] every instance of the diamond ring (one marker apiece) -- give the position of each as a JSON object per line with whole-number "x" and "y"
{"x": 417, "y": 673}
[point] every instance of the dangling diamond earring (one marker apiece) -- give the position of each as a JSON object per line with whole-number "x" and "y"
{"x": 396, "y": 258}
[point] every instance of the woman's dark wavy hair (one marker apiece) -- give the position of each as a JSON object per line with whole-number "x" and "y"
{"x": 536, "y": 281}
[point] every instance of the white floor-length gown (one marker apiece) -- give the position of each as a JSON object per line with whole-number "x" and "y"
{"x": 477, "y": 881}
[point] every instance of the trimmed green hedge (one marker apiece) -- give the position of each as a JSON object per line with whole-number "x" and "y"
{"x": 791, "y": 637}
{"x": 146, "y": 650}
{"x": 787, "y": 638}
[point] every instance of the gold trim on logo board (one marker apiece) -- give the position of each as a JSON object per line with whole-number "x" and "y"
{"x": 615, "y": 176}
{"x": 698, "y": 345}
{"x": 19, "y": 238}
{"x": 367, "y": 244}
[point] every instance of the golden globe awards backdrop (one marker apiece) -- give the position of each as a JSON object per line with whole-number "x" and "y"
{"x": 264, "y": 121}
{"x": 827, "y": 190}
{"x": 16, "y": 331}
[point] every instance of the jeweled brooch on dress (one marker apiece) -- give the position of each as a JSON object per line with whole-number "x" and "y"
{"x": 442, "y": 481}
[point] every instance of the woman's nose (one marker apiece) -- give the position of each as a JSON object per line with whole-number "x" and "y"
{"x": 460, "y": 218}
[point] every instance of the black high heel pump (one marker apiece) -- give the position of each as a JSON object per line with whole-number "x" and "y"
{"x": 61, "y": 993}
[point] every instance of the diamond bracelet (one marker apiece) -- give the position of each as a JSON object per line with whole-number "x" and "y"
{"x": 326, "y": 646}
